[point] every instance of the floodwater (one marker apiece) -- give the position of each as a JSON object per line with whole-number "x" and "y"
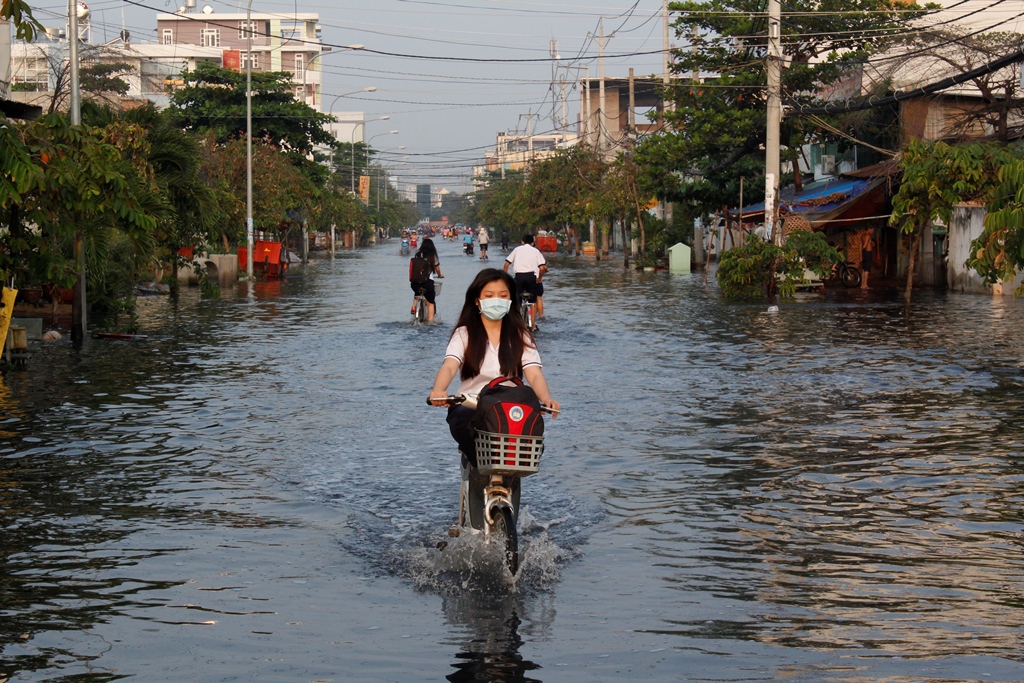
{"x": 832, "y": 492}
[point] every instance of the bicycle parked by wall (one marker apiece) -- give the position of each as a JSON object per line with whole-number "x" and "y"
{"x": 846, "y": 273}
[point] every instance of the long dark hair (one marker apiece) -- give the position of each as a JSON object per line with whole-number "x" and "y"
{"x": 513, "y": 330}
{"x": 428, "y": 251}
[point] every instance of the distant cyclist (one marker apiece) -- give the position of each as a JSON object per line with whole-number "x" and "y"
{"x": 428, "y": 252}
{"x": 483, "y": 238}
{"x": 528, "y": 268}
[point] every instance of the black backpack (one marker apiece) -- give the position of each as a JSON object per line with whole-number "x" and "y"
{"x": 507, "y": 406}
{"x": 419, "y": 269}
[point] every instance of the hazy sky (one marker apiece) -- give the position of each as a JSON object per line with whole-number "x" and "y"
{"x": 447, "y": 107}
{"x": 447, "y": 111}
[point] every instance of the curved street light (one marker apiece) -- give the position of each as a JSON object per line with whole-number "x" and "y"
{"x": 386, "y": 151}
{"x": 318, "y": 55}
{"x": 369, "y": 88}
{"x": 352, "y": 146}
{"x": 390, "y": 132}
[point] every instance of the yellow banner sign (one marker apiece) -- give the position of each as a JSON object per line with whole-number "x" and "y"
{"x": 364, "y": 188}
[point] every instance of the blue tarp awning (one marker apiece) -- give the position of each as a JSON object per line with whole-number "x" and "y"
{"x": 818, "y": 198}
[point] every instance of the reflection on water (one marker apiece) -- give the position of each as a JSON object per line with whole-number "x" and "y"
{"x": 490, "y": 621}
{"x": 755, "y": 489}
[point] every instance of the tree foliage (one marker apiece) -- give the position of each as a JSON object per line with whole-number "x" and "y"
{"x": 936, "y": 177}
{"x": 717, "y": 122}
{"x": 760, "y": 269}
{"x": 213, "y": 101}
{"x": 998, "y": 253}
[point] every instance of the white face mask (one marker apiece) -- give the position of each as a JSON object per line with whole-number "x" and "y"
{"x": 495, "y": 309}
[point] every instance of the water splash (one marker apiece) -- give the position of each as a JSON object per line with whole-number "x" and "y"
{"x": 471, "y": 562}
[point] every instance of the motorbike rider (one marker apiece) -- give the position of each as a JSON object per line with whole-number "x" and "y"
{"x": 467, "y": 242}
{"x": 489, "y": 341}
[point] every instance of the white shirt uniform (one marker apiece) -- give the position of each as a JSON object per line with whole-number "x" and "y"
{"x": 526, "y": 258}
{"x": 491, "y": 366}
{"x": 482, "y": 237}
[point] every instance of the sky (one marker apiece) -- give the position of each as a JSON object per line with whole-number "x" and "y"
{"x": 450, "y": 94}
{"x": 438, "y": 64}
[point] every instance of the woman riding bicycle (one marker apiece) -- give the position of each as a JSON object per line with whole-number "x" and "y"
{"x": 489, "y": 341}
{"x": 429, "y": 252}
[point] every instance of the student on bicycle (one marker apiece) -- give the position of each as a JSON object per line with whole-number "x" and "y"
{"x": 429, "y": 252}
{"x": 489, "y": 341}
{"x": 528, "y": 267}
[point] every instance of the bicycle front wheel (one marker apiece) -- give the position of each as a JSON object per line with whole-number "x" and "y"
{"x": 505, "y": 533}
{"x": 851, "y": 277}
{"x": 421, "y": 310}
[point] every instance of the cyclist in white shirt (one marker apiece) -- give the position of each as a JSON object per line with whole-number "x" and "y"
{"x": 528, "y": 268}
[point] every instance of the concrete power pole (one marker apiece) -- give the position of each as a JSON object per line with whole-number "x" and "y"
{"x": 772, "y": 142}
{"x": 79, "y": 317}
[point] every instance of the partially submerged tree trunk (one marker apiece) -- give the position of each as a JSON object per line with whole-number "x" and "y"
{"x": 915, "y": 244}
{"x": 625, "y": 242}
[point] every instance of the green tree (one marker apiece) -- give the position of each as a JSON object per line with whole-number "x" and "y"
{"x": 998, "y": 253}
{"x": 564, "y": 191}
{"x": 936, "y": 177}
{"x": 502, "y": 204}
{"x": 212, "y": 100}
{"x": 86, "y": 179}
{"x": 716, "y": 127}
{"x": 761, "y": 269}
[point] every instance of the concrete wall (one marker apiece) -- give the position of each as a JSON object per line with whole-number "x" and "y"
{"x": 220, "y": 268}
{"x": 967, "y": 225}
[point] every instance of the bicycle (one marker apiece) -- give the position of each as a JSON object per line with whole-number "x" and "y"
{"x": 489, "y": 492}
{"x": 528, "y": 310}
{"x": 420, "y": 302}
{"x": 847, "y": 274}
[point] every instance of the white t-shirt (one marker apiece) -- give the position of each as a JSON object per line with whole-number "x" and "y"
{"x": 483, "y": 237}
{"x": 526, "y": 258}
{"x": 491, "y": 366}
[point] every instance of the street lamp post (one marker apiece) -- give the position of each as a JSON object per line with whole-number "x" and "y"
{"x": 305, "y": 70}
{"x": 330, "y": 113}
{"x": 390, "y": 132}
{"x": 352, "y": 146}
{"x": 248, "y": 141}
{"x": 385, "y": 177}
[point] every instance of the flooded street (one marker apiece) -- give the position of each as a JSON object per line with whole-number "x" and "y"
{"x": 832, "y": 492}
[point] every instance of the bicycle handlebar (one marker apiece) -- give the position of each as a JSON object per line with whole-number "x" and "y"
{"x": 460, "y": 398}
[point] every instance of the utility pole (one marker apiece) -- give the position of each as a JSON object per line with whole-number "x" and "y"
{"x": 772, "y": 142}
{"x": 601, "y": 40}
{"x": 553, "y": 51}
{"x": 664, "y": 41}
{"x": 79, "y": 318}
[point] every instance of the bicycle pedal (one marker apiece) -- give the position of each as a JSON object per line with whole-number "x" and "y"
{"x": 453, "y": 531}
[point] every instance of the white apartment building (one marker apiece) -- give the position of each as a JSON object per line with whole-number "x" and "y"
{"x": 279, "y": 42}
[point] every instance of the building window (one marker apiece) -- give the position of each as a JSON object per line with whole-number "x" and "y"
{"x": 251, "y": 56}
{"x": 210, "y": 37}
{"x": 300, "y": 92}
{"x": 252, "y": 29}
{"x": 300, "y": 64}
{"x": 168, "y": 37}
